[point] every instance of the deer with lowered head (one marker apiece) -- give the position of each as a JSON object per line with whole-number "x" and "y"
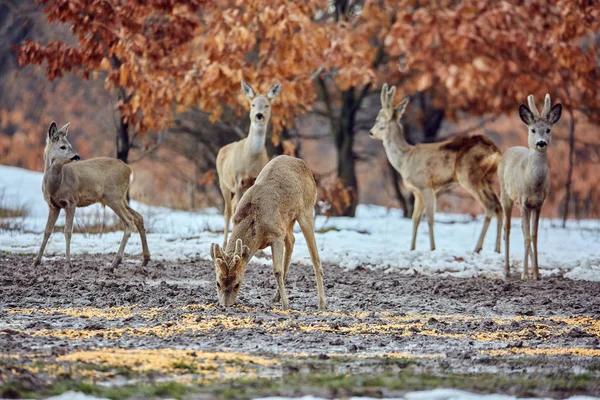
{"x": 69, "y": 183}
{"x": 427, "y": 168}
{"x": 284, "y": 192}
{"x": 525, "y": 179}
{"x": 239, "y": 163}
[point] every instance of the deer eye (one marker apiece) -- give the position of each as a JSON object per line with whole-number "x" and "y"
{"x": 218, "y": 285}
{"x": 266, "y": 106}
{"x": 63, "y": 147}
{"x": 533, "y": 131}
{"x": 236, "y": 287}
{"x": 548, "y": 130}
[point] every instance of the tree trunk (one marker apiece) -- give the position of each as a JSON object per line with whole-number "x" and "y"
{"x": 570, "y": 171}
{"x": 344, "y": 141}
{"x": 123, "y": 144}
{"x": 432, "y": 118}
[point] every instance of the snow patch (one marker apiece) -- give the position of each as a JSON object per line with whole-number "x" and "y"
{"x": 378, "y": 238}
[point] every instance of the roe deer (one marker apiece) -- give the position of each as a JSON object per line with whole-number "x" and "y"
{"x": 525, "y": 179}
{"x": 284, "y": 192}
{"x": 239, "y": 163}
{"x": 470, "y": 161}
{"x": 69, "y": 185}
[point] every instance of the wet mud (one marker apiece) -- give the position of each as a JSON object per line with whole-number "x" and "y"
{"x": 537, "y": 329}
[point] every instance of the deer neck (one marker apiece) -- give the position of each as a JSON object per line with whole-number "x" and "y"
{"x": 537, "y": 167}
{"x": 256, "y": 138}
{"x": 395, "y": 144}
{"x": 247, "y": 230}
{"x": 53, "y": 174}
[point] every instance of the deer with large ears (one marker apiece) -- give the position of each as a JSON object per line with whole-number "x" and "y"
{"x": 470, "y": 161}
{"x": 525, "y": 179}
{"x": 284, "y": 192}
{"x": 68, "y": 185}
{"x": 239, "y": 163}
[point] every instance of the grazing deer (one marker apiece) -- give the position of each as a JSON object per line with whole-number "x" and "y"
{"x": 284, "y": 192}
{"x": 239, "y": 163}
{"x": 470, "y": 161}
{"x": 525, "y": 179}
{"x": 69, "y": 185}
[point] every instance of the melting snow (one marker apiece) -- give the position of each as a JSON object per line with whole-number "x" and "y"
{"x": 377, "y": 238}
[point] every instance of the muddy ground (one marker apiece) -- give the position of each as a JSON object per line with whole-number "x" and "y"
{"x": 162, "y": 334}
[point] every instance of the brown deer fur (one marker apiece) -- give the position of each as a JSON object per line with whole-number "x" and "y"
{"x": 68, "y": 185}
{"x": 524, "y": 178}
{"x": 470, "y": 161}
{"x": 284, "y": 192}
{"x": 239, "y": 163}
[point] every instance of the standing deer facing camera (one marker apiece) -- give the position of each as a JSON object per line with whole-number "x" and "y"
{"x": 525, "y": 179}
{"x": 470, "y": 161}
{"x": 68, "y": 185}
{"x": 284, "y": 192}
{"x": 239, "y": 163}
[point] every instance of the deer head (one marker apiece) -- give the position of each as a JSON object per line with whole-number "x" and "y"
{"x": 229, "y": 268}
{"x": 388, "y": 113}
{"x": 57, "y": 145}
{"x": 260, "y": 105}
{"x": 540, "y": 125}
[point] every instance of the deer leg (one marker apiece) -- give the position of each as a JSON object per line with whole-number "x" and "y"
{"x": 50, "y": 223}
{"x": 289, "y": 248}
{"x": 307, "y": 224}
{"x": 535, "y": 219}
{"x": 416, "y": 218}
{"x": 227, "y": 211}
{"x": 486, "y": 224}
{"x": 507, "y": 206}
{"x": 499, "y": 232}
{"x": 278, "y": 250}
{"x": 483, "y": 193}
{"x": 69, "y": 217}
{"x": 527, "y": 239}
{"x": 138, "y": 220}
{"x": 121, "y": 211}
{"x": 429, "y": 200}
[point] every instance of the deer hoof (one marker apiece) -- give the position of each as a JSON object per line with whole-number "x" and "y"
{"x": 536, "y": 276}
{"x": 37, "y": 262}
{"x": 109, "y": 270}
{"x": 322, "y": 306}
{"x": 145, "y": 261}
{"x": 116, "y": 261}
{"x": 276, "y": 296}
{"x": 68, "y": 268}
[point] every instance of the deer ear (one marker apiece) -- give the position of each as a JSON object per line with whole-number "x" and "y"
{"x": 554, "y": 114}
{"x": 65, "y": 129}
{"x": 274, "y": 91}
{"x": 384, "y": 95}
{"x": 248, "y": 91}
{"x": 401, "y": 108}
{"x": 391, "y": 94}
{"x": 525, "y": 114}
{"x": 53, "y": 131}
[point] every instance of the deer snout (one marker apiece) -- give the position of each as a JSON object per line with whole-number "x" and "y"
{"x": 541, "y": 144}
{"x": 75, "y": 157}
{"x": 260, "y": 117}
